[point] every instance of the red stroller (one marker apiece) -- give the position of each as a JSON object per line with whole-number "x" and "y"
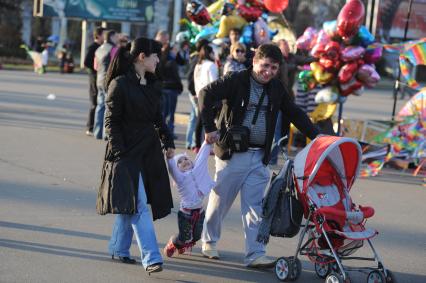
{"x": 324, "y": 172}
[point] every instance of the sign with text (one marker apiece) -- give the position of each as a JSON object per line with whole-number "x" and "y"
{"x": 101, "y": 10}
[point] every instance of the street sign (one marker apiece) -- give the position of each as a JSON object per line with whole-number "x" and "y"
{"x": 101, "y": 10}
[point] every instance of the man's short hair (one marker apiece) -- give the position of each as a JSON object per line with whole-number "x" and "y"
{"x": 98, "y": 31}
{"x": 270, "y": 51}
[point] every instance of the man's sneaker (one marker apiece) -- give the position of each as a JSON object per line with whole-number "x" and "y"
{"x": 210, "y": 251}
{"x": 169, "y": 249}
{"x": 262, "y": 262}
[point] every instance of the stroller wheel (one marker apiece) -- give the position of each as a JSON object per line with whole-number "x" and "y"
{"x": 336, "y": 278}
{"x": 297, "y": 268}
{"x": 283, "y": 269}
{"x": 390, "y": 278}
{"x": 322, "y": 269}
{"x": 376, "y": 276}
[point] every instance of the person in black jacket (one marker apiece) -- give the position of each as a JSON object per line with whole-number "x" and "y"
{"x": 134, "y": 171}
{"x": 169, "y": 72}
{"x": 98, "y": 39}
{"x": 193, "y": 59}
{"x": 252, "y": 99}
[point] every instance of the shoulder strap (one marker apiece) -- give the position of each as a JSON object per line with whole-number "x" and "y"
{"x": 256, "y": 114}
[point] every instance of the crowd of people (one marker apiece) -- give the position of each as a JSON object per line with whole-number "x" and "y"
{"x": 238, "y": 104}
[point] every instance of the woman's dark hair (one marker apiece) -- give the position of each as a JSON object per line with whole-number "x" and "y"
{"x": 204, "y": 54}
{"x": 125, "y": 56}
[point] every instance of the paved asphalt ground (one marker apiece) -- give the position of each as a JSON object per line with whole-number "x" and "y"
{"x": 49, "y": 171}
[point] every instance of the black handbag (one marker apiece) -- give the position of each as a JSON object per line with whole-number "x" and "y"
{"x": 288, "y": 211}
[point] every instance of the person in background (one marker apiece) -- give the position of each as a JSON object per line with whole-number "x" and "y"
{"x": 44, "y": 57}
{"x": 172, "y": 85}
{"x": 134, "y": 170}
{"x": 193, "y": 59}
{"x": 98, "y": 39}
{"x": 286, "y": 75}
{"x": 233, "y": 37}
{"x": 236, "y": 59}
{"x": 62, "y": 56}
{"x": 205, "y": 72}
{"x": 103, "y": 57}
{"x": 123, "y": 39}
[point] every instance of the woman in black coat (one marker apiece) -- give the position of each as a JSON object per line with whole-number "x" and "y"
{"x": 134, "y": 172}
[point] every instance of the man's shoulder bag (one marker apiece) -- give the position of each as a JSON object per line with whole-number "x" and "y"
{"x": 236, "y": 137}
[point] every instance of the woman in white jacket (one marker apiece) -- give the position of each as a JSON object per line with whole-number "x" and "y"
{"x": 206, "y": 71}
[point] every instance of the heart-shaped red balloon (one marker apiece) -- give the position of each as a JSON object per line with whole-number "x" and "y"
{"x": 250, "y": 14}
{"x": 350, "y": 18}
{"x": 332, "y": 50}
{"x": 350, "y": 87}
{"x": 197, "y": 12}
{"x": 347, "y": 72}
{"x": 276, "y": 6}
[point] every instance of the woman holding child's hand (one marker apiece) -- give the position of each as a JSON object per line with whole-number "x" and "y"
{"x": 134, "y": 171}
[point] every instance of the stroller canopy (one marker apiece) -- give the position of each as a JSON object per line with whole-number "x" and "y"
{"x": 339, "y": 154}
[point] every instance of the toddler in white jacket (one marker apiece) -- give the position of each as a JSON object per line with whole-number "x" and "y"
{"x": 193, "y": 183}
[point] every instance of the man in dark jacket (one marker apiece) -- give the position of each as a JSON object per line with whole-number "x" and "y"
{"x": 250, "y": 98}
{"x": 98, "y": 39}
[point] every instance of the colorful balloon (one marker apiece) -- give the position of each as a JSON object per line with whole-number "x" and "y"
{"x": 215, "y": 10}
{"x": 347, "y": 72}
{"x": 197, "y": 12}
{"x": 307, "y": 40}
{"x": 373, "y": 54}
{"x": 249, "y": 13}
{"x": 368, "y": 75}
{"x": 320, "y": 75}
{"x": 247, "y": 35}
{"x": 326, "y": 95}
{"x": 229, "y": 22}
{"x": 276, "y": 6}
{"x": 364, "y": 36}
{"x": 350, "y": 87}
{"x": 332, "y": 50}
{"x": 318, "y": 50}
{"x": 352, "y": 53}
{"x": 261, "y": 32}
{"x": 306, "y": 80}
{"x": 322, "y": 37}
{"x": 330, "y": 28}
{"x": 350, "y": 18}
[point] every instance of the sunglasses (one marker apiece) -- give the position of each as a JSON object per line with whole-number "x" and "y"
{"x": 240, "y": 51}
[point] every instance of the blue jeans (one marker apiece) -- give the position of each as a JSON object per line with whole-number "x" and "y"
{"x": 98, "y": 124}
{"x": 277, "y": 135}
{"x": 141, "y": 224}
{"x": 169, "y": 107}
{"x": 190, "y": 130}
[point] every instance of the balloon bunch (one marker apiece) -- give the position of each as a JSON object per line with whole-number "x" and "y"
{"x": 216, "y": 20}
{"x": 346, "y": 55}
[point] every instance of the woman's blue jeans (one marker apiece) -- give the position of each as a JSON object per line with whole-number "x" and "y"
{"x": 142, "y": 225}
{"x": 190, "y": 137}
{"x": 98, "y": 124}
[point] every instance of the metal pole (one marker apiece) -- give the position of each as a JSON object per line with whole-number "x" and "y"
{"x": 83, "y": 42}
{"x": 176, "y": 17}
{"x": 396, "y": 86}
{"x": 339, "y": 119}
